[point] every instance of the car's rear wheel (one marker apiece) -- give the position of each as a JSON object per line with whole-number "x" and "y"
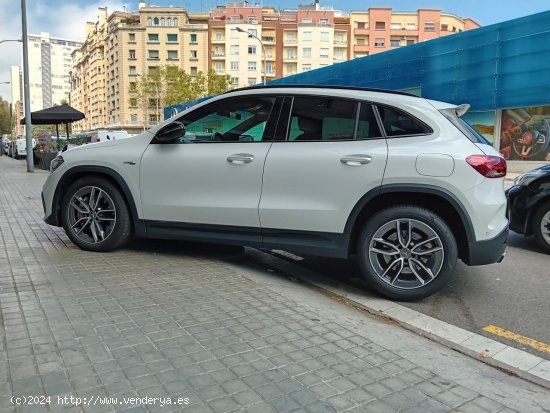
{"x": 541, "y": 226}
{"x": 407, "y": 252}
{"x": 95, "y": 216}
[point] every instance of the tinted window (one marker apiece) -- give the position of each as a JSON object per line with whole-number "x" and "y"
{"x": 229, "y": 120}
{"x": 367, "y": 126}
{"x": 316, "y": 119}
{"x": 399, "y": 123}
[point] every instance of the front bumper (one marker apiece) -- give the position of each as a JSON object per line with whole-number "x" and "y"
{"x": 488, "y": 251}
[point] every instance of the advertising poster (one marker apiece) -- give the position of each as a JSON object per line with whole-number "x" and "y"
{"x": 483, "y": 122}
{"x": 524, "y": 134}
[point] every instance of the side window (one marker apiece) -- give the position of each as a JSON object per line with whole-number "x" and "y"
{"x": 399, "y": 123}
{"x": 322, "y": 119}
{"x": 367, "y": 126}
{"x": 229, "y": 120}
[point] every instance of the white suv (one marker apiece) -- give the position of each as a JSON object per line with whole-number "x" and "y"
{"x": 397, "y": 180}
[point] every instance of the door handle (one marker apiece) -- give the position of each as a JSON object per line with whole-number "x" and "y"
{"x": 240, "y": 158}
{"x": 356, "y": 160}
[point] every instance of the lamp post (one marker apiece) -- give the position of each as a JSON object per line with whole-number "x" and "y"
{"x": 10, "y": 40}
{"x": 250, "y": 35}
{"x": 26, "y": 87}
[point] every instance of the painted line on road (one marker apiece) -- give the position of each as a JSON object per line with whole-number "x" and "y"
{"x": 518, "y": 338}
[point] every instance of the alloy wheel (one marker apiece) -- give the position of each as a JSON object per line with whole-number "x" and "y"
{"x": 406, "y": 253}
{"x": 91, "y": 214}
{"x": 545, "y": 227}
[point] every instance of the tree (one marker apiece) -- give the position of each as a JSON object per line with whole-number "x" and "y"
{"x": 169, "y": 85}
{"x": 5, "y": 117}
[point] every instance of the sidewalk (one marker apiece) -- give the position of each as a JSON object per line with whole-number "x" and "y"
{"x": 204, "y": 327}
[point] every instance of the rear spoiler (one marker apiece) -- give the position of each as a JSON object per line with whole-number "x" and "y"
{"x": 462, "y": 109}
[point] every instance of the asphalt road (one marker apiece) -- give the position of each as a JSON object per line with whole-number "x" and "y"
{"x": 513, "y": 295}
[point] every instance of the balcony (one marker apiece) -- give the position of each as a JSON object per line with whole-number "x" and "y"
{"x": 291, "y": 41}
{"x": 218, "y": 41}
{"x": 361, "y": 48}
{"x": 290, "y": 58}
{"x": 268, "y": 39}
{"x": 361, "y": 32}
{"x": 218, "y": 55}
{"x": 340, "y": 43}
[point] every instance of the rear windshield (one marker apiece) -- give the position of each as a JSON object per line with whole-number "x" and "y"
{"x": 464, "y": 127}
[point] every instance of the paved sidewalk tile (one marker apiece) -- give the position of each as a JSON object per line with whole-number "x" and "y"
{"x": 165, "y": 323}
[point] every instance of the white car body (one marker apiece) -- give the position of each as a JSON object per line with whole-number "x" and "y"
{"x": 301, "y": 196}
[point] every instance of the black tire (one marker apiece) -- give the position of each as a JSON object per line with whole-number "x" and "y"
{"x": 389, "y": 272}
{"x": 117, "y": 231}
{"x": 537, "y": 226}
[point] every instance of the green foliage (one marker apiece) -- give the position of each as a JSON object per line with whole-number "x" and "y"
{"x": 5, "y": 117}
{"x": 171, "y": 85}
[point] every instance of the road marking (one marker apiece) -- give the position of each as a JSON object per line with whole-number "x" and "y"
{"x": 518, "y": 338}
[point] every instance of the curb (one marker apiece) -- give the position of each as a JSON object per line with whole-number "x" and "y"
{"x": 486, "y": 350}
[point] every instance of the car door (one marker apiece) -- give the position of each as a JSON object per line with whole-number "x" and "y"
{"x": 212, "y": 175}
{"x": 329, "y": 155}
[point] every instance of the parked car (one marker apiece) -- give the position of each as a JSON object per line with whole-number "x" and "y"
{"x": 399, "y": 181}
{"x": 19, "y": 147}
{"x": 106, "y": 135}
{"x": 529, "y": 205}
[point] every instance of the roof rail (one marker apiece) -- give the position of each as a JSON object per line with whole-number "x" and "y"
{"x": 310, "y": 86}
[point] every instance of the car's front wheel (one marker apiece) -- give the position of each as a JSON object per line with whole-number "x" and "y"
{"x": 95, "y": 216}
{"x": 541, "y": 226}
{"x": 407, "y": 252}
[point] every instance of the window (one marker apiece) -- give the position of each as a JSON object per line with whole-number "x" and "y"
{"x": 399, "y": 123}
{"x": 395, "y": 26}
{"x": 172, "y": 38}
{"x": 218, "y": 36}
{"x": 193, "y": 38}
{"x": 323, "y": 22}
{"x": 361, "y": 25}
{"x": 429, "y": 27}
{"x": 411, "y": 26}
{"x": 368, "y": 126}
{"x": 229, "y": 120}
{"x": 251, "y": 81}
{"x": 132, "y": 71}
{"x": 218, "y": 68}
{"x": 306, "y": 68}
{"x": 172, "y": 55}
{"x": 153, "y": 118}
{"x": 153, "y": 54}
{"x": 153, "y": 70}
{"x": 251, "y": 66}
{"x": 306, "y": 52}
{"x": 253, "y": 32}
{"x": 234, "y": 80}
{"x": 444, "y": 27}
{"x": 134, "y": 117}
{"x": 252, "y": 20}
{"x": 339, "y": 54}
{"x": 131, "y": 54}
{"x": 194, "y": 71}
{"x": 251, "y": 49}
{"x": 322, "y": 119}
{"x": 380, "y": 26}
{"x": 307, "y": 36}
{"x": 156, "y": 21}
{"x": 132, "y": 86}
{"x": 133, "y": 102}
{"x": 379, "y": 43}
{"x": 194, "y": 54}
{"x": 131, "y": 37}
{"x": 269, "y": 68}
{"x": 307, "y": 21}
{"x": 361, "y": 41}
{"x": 153, "y": 38}
{"x": 234, "y": 50}
{"x": 234, "y": 65}
{"x": 325, "y": 36}
{"x": 234, "y": 34}
{"x": 395, "y": 42}
{"x": 324, "y": 53}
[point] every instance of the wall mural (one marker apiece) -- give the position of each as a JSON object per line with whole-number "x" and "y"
{"x": 525, "y": 133}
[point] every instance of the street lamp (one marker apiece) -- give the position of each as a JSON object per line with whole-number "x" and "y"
{"x": 10, "y": 40}
{"x": 250, "y": 35}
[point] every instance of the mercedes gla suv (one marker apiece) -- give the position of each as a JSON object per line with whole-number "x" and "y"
{"x": 398, "y": 181}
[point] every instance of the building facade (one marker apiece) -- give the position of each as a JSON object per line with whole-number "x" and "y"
{"x": 246, "y": 43}
{"x": 123, "y": 46}
{"x": 16, "y": 82}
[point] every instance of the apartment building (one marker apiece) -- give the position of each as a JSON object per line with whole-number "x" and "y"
{"x": 122, "y": 46}
{"x": 379, "y": 29}
{"x": 312, "y": 37}
{"x": 16, "y": 82}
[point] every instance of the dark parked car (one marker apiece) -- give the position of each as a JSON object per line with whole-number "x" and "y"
{"x": 529, "y": 205}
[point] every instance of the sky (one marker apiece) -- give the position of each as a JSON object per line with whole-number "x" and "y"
{"x": 67, "y": 19}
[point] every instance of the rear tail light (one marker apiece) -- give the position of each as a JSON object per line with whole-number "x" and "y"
{"x": 487, "y": 165}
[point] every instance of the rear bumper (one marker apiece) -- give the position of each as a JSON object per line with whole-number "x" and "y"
{"x": 488, "y": 251}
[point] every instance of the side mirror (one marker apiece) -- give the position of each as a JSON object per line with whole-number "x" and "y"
{"x": 170, "y": 132}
